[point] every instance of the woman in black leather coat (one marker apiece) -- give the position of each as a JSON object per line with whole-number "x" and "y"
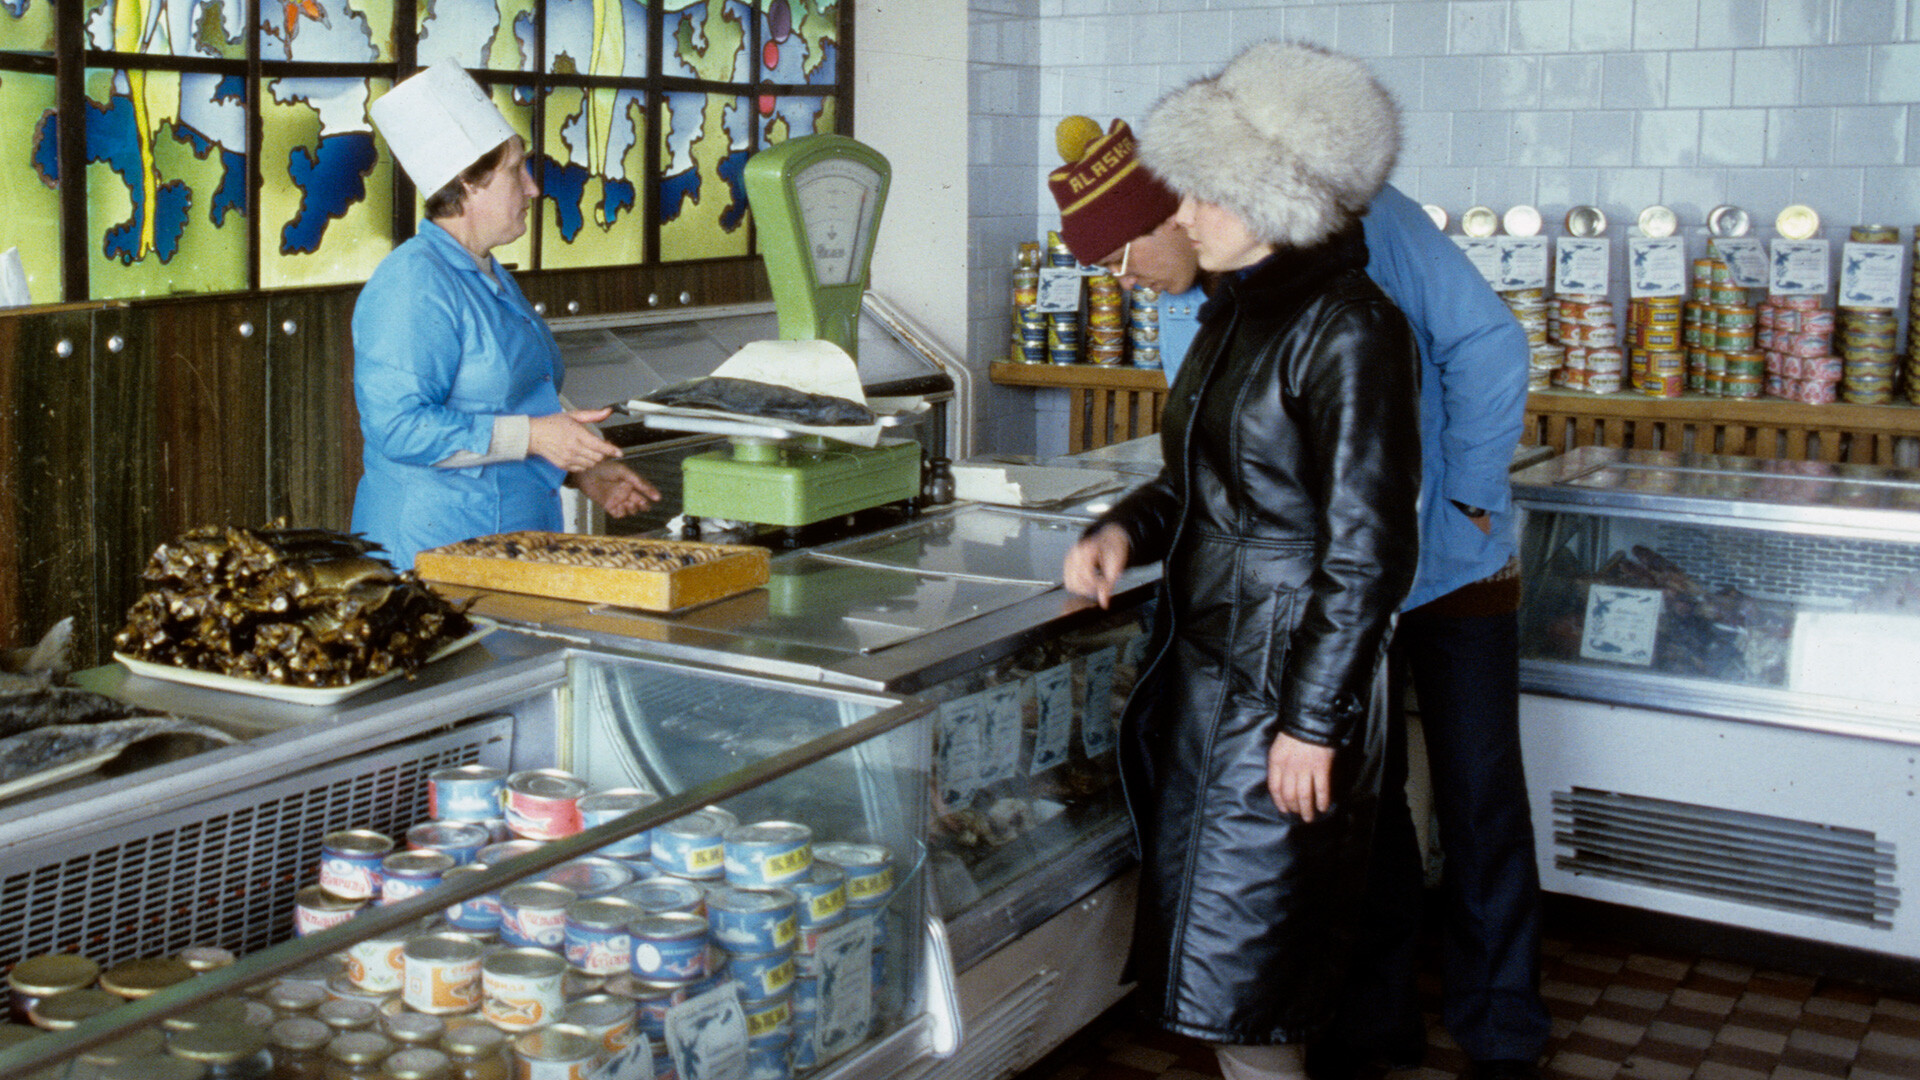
{"x": 1252, "y": 746}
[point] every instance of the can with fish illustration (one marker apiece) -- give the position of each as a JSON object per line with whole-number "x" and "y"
{"x": 535, "y": 915}
{"x": 752, "y": 920}
{"x": 522, "y": 989}
{"x": 442, "y": 973}
{"x": 669, "y": 946}
{"x": 596, "y": 935}
{"x": 350, "y": 862}
{"x": 767, "y": 852}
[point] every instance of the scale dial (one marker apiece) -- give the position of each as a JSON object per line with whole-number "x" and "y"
{"x": 837, "y": 199}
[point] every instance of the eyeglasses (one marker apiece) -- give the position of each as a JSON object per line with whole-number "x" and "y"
{"x": 1126, "y": 253}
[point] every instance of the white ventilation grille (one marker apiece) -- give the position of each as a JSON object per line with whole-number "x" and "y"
{"x": 223, "y": 872}
{"x": 1826, "y": 871}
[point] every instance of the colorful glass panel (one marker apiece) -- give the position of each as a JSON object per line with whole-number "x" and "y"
{"x": 799, "y": 42}
{"x": 707, "y": 139}
{"x": 597, "y": 37}
{"x": 26, "y": 26}
{"x": 706, "y": 39}
{"x": 328, "y": 31}
{"x": 29, "y": 182}
{"x": 326, "y": 205}
{"x": 481, "y": 34}
{"x": 592, "y": 178}
{"x": 791, "y": 116}
{"x": 166, "y": 183}
{"x": 168, "y": 29}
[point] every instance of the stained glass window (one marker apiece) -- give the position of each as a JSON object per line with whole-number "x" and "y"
{"x": 638, "y": 158}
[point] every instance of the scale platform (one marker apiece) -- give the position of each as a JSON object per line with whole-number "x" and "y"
{"x": 798, "y": 483}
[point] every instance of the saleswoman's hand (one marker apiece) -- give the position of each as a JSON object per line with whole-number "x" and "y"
{"x": 565, "y": 439}
{"x": 1096, "y": 562}
{"x": 1300, "y": 777}
{"x": 617, "y": 488}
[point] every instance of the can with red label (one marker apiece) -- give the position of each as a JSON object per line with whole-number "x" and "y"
{"x": 460, "y": 841}
{"x": 442, "y": 973}
{"x": 544, "y": 804}
{"x": 522, "y": 989}
{"x": 406, "y": 874}
{"x": 350, "y": 862}
{"x": 315, "y": 909}
{"x": 597, "y": 938}
{"x": 535, "y": 915}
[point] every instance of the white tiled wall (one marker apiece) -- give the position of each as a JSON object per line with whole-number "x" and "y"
{"x": 1554, "y": 103}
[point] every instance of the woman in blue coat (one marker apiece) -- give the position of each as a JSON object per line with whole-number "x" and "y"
{"x": 456, "y": 377}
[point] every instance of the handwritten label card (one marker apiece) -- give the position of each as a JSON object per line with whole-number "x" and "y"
{"x": 1656, "y": 266}
{"x": 1621, "y": 623}
{"x": 1096, "y": 718}
{"x": 962, "y": 749}
{"x": 1581, "y": 265}
{"x": 1799, "y": 268}
{"x": 1053, "y": 698}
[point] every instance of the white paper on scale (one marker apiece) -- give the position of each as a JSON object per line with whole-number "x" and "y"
{"x": 845, "y": 954}
{"x": 1746, "y": 259}
{"x": 1799, "y": 268}
{"x": 1059, "y": 289}
{"x": 1621, "y": 624}
{"x": 1869, "y": 275}
{"x": 1001, "y": 759}
{"x": 1096, "y": 718}
{"x": 1523, "y": 262}
{"x": 1484, "y": 253}
{"x": 962, "y": 748}
{"x": 1581, "y": 265}
{"x": 707, "y": 1035}
{"x": 1656, "y": 266}
{"x": 1053, "y": 699}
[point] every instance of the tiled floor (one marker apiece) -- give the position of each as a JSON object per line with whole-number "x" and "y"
{"x": 1620, "y": 1012}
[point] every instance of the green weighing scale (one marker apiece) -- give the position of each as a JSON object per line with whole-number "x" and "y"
{"x": 816, "y": 201}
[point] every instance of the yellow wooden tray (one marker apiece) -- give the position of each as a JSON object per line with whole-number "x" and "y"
{"x": 485, "y": 564}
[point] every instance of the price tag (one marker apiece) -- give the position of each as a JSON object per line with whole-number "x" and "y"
{"x": 1053, "y": 701}
{"x": 1656, "y": 266}
{"x": 1799, "y": 268}
{"x": 962, "y": 749}
{"x": 1484, "y": 253}
{"x": 1096, "y": 718}
{"x": 1059, "y": 289}
{"x": 707, "y": 1035}
{"x": 1581, "y": 265}
{"x": 1523, "y": 262}
{"x": 1869, "y": 275}
{"x": 1001, "y": 758}
{"x": 1621, "y": 623}
{"x": 844, "y": 955}
{"x": 1746, "y": 258}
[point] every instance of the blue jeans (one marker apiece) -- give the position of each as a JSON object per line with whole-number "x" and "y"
{"x": 1465, "y": 673}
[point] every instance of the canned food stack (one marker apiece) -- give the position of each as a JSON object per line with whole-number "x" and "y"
{"x": 1796, "y": 336}
{"x": 1106, "y": 321}
{"x": 1063, "y": 327}
{"x": 1594, "y": 361}
{"x": 1656, "y": 359}
{"x": 1143, "y": 327}
{"x": 1029, "y": 326}
{"x": 1721, "y": 335}
{"x": 1913, "y": 320}
{"x": 1868, "y": 337}
{"x": 1544, "y": 356}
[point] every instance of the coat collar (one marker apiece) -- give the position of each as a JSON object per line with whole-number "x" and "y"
{"x": 1288, "y": 272}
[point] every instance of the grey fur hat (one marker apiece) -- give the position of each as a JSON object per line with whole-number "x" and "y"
{"x": 1291, "y": 138}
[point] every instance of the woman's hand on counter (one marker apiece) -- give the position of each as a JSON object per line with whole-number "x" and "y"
{"x": 1300, "y": 777}
{"x": 616, "y": 487}
{"x": 1096, "y": 563}
{"x": 565, "y": 439}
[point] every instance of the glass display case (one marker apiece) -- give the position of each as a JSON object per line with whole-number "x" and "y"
{"x": 751, "y": 902}
{"x": 1718, "y": 708}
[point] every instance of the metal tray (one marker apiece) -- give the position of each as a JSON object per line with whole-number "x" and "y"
{"x": 295, "y": 695}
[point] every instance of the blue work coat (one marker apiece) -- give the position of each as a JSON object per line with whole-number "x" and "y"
{"x": 439, "y": 350}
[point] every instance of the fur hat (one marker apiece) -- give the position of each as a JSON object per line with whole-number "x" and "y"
{"x": 1106, "y": 198}
{"x": 1291, "y": 138}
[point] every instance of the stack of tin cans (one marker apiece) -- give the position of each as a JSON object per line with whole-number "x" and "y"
{"x": 1063, "y": 327}
{"x": 1583, "y": 327}
{"x": 1143, "y": 326}
{"x": 1913, "y": 321}
{"x": 1796, "y": 337}
{"x": 1029, "y": 325}
{"x": 1106, "y": 321}
{"x": 1546, "y": 355}
{"x": 1868, "y": 337}
{"x": 1656, "y": 359}
{"x": 1720, "y": 332}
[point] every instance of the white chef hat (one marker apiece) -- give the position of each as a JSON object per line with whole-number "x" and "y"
{"x": 437, "y": 122}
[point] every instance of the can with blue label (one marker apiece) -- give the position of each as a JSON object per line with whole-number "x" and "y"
{"x": 460, "y": 841}
{"x": 597, "y": 938}
{"x": 534, "y": 916}
{"x": 664, "y": 894}
{"x": 806, "y": 1018}
{"x": 481, "y": 914}
{"x": 693, "y": 846}
{"x": 769, "y": 1019}
{"x": 651, "y": 999}
{"x": 669, "y": 946}
{"x": 467, "y": 793}
{"x": 807, "y": 950}
{"x": 602, "y": 807}
{"x": 821, "y": 895}
{"x": 769, "y": 1060}
{"x": 767, "y": 852}
{"x": 495, "y": 854}
{"x": 406, "y": 874}
{"x": 869, "y": 870}
{"x": 752, "y": 920}
{"x": 590, "y": 876}
{"x": 762, "y": 975}
{"x": 350, "y": 863}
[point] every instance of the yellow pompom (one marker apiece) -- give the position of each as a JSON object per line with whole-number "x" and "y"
{"x": 1073, "y": 136}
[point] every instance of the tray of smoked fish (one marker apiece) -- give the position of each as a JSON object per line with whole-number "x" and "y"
{"x": 296, "y": 695}
{"x": 652, "y": 575}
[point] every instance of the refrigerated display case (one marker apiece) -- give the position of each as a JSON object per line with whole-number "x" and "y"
{"x": 214, "y": 850}
{"x": 1719, "y": 709}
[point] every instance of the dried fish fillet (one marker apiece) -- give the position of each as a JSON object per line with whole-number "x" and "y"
{"x": 767, "y": 400}
{"x": 49, "y": 748}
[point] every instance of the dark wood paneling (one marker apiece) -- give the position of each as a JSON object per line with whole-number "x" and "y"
{"x": 47, "y": 434}
{"x": 604, "y": 292}
{"x": 210, "y": 365}
{"x": 314, "y": 441}
{"x": 128, "y": 492}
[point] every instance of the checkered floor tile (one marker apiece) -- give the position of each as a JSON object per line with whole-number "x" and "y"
{"x": 1618, "y": 1014}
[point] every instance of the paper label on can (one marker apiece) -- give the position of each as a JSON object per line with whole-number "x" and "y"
{"x": 1059, "y": 290}
{"x": 872, "y": 886}
{"x": 350, "y": 877}
{"x": 1096, "y": 715}
{"x": 1746, "y": 259}
{"x": 1620, "y": 624}
{"x": 521, "y": 1002}
{"x": 707, "y": 1035}
{"x": 1053, "y": 702}
{"x": 544, "y": 928}
{"x": 377, "y": 965}
{"x": 442, "y": 986}
{"x": 631, "y": 1062}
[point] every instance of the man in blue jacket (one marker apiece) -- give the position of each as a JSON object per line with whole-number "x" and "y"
{"x": 1458, "y": 630}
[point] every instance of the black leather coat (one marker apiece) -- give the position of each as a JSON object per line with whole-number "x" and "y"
{"x": 1286, "y": 517}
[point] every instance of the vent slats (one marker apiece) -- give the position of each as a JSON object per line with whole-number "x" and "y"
{"x": 1825, "y": 871}
{"x": 223, "y": 872}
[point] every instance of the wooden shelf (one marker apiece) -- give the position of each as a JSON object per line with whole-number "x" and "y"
{"x": 1750, "y": 427}
{"x": 1106, "y": 405}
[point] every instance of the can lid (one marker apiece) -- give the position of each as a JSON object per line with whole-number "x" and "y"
{"x": 348, "y": 1014}
{"x": 206, "y": 957}
{"x": 299, "y": 1033}
{"x": 359, "y": 1047}
{"x": 1797, "y": 222}
{"x": 1438, "y": 215}
{"x": 1728, "y": 220}
{"x": 38, "y": 976}
{"x": 217, "y": 1043}
{"x": 138, "y": 978}
{"x": 551, "y": 1045}
{"x": 1658, "y": 221}
{"x": 417, "y": 1063}
{"x": 1586, "y": 221}
{"x": 1521, "y": 221}
{"x": 1479, "y": 221}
